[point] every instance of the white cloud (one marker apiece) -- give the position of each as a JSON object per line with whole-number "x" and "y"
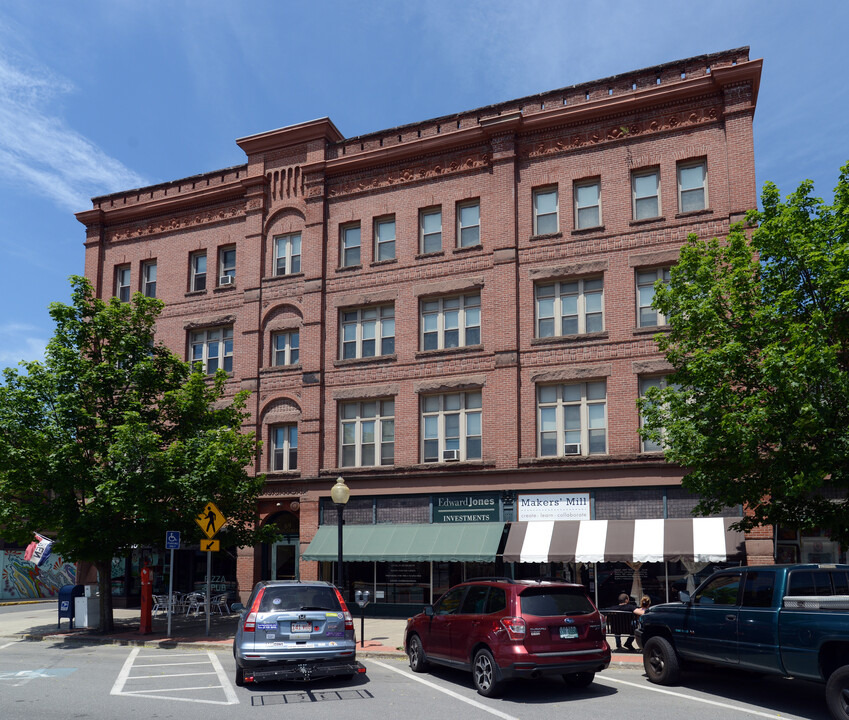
{"x": 39, "y": 150}
{"x": 20, "y": 342}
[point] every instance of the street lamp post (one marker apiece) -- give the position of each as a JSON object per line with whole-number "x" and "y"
{"x": 340, "y": 494}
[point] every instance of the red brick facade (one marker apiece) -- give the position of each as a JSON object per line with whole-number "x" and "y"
{"x": 308, "y": 179}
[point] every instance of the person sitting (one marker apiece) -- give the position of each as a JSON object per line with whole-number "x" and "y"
{"x": 645, "y": 601}
{"x": 625, "y": 605}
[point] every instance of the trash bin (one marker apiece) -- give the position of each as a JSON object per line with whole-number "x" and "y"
{"x": 67, "y": 593}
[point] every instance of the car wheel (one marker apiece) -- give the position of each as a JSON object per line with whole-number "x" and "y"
{"x": 579, "y": 679}
{"x": 661, "y": 661}
{"x": 837, "y": 693}
{"x": 240, "y": 676}
{"x": 415, "y": 652}
{"x": 485, "y": 674}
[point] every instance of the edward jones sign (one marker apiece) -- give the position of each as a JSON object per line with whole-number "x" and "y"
{"x": 465, "y": 508}
{"x": 564, "y": 506}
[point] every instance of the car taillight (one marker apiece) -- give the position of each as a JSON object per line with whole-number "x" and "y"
{"x": 250, "y": 618}
{"x": 515, "y": 627}
{"x": 349, "y": 619}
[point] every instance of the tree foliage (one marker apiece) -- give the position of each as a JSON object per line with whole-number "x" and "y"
{"x": 113, "y": 440}
{"x": 759, "y": 341}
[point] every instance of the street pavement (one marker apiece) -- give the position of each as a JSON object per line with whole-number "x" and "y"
{"x": 382, "y": 637}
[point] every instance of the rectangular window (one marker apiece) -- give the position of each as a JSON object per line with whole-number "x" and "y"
{"x": 645, "y": 384}
{"x": 350, "y": 245}
{"x": 286, "y": 347}
{"x": 367, "y": 433}
{"x": 198, "y": 270}
{"x": 451, "y": 427}
{"x": 227, "y": 266}
{"x": 451, "y": 322}
{"x": 213, "y": 349}
{"x": 570, "y": 307}
{"x": 572, "y": 419}
{"x": 287, "y": 254}
{"x": 645, "y": 195}
{"x": 469, "y": 224}
{"x": 149, "y": 279}
{"x": 384, "y": 239}
{"x": 546, "y": 219}
{"x": 284, "y": 447}
{"x": 587, "y": 204}
{"x": 647, "y": 316}
{"x": 692, "y": 186}
{"x": 122, "y": 283}
{"x": 368, "y": 332}
{"x": 430, "y": 230}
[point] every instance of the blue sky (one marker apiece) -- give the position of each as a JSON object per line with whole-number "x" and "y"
{"x": 97, "y": 97}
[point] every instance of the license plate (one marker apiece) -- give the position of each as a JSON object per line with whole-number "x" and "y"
{"x": 301, "y": 627}
{"x": 569, "y": 632}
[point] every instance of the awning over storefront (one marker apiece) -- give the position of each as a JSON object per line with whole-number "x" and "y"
{"x": 697, "y": 539}
{"x": 461, "y": 542}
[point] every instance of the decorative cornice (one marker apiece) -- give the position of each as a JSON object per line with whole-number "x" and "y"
{"x": 321, "y": 129}
{"x": 174, "y": 223}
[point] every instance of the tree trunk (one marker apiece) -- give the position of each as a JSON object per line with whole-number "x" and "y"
{"x": 104, "y": 582}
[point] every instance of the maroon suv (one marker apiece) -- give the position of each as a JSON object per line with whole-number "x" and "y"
{"x": 502, "y": 629}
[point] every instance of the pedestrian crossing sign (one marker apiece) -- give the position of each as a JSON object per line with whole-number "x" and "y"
{"x": 210, "y": 520}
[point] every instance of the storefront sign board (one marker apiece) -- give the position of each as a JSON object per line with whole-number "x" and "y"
{"x": 553, "y": 506}
{"x": 481, "y": 507}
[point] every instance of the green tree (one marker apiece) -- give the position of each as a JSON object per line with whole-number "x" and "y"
{"x": 759, "y": 341}
{"x": 113, "y": 440}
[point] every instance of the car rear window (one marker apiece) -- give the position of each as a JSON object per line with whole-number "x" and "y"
{"x": 547, "y": 601}
{"x": 817, "y": 582}
{"x": 287, "y": 599}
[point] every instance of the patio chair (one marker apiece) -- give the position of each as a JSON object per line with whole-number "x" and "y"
{"x": 219, "y": 604}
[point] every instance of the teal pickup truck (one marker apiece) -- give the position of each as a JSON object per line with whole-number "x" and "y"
{"x": 788, "y": 620}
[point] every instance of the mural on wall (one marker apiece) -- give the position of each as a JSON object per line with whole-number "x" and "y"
{"x": 20, "y": 579}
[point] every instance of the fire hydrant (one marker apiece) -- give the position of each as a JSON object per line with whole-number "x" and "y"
{"x": 146, "y": 620}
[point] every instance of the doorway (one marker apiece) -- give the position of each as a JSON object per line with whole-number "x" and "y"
{"x": 284, "y": 559}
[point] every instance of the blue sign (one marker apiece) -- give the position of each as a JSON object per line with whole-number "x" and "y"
{"x": 172, "y": 540}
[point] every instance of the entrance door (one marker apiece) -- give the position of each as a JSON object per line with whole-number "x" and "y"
{"x": 284, "y": 560}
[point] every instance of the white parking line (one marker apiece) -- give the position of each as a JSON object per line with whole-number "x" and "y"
{"x": 7, "y": 644}
{"x": 456, "y": 696}
{"x": 684, "y": 696}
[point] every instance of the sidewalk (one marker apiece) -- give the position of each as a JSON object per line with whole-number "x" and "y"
{"x": 384, "y": 637}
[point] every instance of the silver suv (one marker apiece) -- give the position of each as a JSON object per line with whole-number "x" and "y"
{"x": 293, "y": 630}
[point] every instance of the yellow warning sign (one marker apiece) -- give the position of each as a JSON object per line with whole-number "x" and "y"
{"x": 210, "y": 520}
{"x": 210, "y": 545}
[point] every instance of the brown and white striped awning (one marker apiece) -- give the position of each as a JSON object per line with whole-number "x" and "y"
{"x": 697, "y": 539}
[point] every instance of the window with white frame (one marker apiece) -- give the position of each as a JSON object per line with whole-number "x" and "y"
{"x": 350, "y": 245}
{"x": 286, "y": 347}
{"x": 451, "y": 427}
{"x": 572, "y": 419}
{"x": 367, "y": 433}
{"x": 284, "y": 447}
{"x": 647, "y": 316}
{"x": 197, "y": 264}
{"x": 149, "y": 279}
{"x": 692, "y": 186}
{"x": 368, "y": 332}
{"x": 287, "y": 254}
{"x": 122, "y": 283}
{"x": 213, "y": 349}
{"x": 384, "y": 239}
{"x": 570, "y": 307}
{"x": 227, "y": 266}
{"x": 587, "y": 204}
{"x": 546, "y": 214}
{"x": 646, "y": 383}
{"x": 451, "y": 322}
{"x": 645, "y": 194}
{"x": 430, "y": 230}
{"x": 469, "y": 224}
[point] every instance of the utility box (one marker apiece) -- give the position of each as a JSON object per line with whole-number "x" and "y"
{"x": 91, "y": 590}
{"x": 67, "y": 595}
{"x": 87, "y": 612}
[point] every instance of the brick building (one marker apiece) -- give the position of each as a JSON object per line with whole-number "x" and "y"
{"x": 455, "y": 315}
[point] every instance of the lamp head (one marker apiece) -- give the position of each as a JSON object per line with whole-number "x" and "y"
{"x": 340, "y": 492}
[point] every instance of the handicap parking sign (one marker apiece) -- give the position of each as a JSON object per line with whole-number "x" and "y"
{"x": 172, "y": 540}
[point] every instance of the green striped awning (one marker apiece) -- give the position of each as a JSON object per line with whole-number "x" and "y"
{"x": 464, "y": 542}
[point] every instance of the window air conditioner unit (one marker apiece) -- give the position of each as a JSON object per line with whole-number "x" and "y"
{"x": 572, "y": 449}
{"x": 226, "y": 280}
{"x": 450, "y": 455}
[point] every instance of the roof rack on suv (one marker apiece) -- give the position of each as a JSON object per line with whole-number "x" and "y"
{"x": 491, "y": 579}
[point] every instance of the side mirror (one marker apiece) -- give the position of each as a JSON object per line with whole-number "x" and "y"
{"x": 428, "y": 610}
{"x": 683, "y": 596}
{"x": 237, "y": 607}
